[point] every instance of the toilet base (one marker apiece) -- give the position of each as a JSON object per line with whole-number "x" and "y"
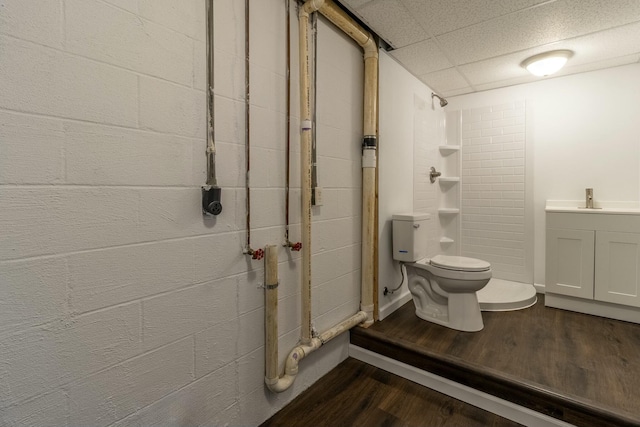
{"x": 463, "y": 310}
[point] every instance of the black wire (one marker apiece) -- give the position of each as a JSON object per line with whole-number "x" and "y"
{"x": 387, "y": 291}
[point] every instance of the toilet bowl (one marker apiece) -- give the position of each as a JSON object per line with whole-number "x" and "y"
{"x": 443, "y": 287}
{"x": 444, "y": 290}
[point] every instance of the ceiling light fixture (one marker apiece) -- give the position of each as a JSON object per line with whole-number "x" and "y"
{"x": 547, "y": 63}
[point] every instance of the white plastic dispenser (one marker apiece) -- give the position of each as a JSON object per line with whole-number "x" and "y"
{"x": 410, "y": 236}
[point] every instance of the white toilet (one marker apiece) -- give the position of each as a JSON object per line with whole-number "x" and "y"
{"x": 443, "y": 287}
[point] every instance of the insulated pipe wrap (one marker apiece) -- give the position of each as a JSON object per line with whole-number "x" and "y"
{"x": 271, "y": 313}
{"x": 305, "y": 172}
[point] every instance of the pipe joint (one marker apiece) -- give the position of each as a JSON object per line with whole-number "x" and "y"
{"x": 311, "y": 6}
{"x": 370, "y": 52}
{"x": 370, "y": 142}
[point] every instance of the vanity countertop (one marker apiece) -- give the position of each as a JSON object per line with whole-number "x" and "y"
{"x": 577, "y": 206}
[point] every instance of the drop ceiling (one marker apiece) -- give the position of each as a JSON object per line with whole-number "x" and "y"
{"x": 463, "y": 46}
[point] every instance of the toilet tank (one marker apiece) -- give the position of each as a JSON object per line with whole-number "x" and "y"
{"x": 410, "y": 236}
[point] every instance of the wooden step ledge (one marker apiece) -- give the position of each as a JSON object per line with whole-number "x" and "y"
{"x": 562, "y": 406}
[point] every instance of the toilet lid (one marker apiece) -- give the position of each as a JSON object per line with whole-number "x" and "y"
{"x": 459, "y": 263}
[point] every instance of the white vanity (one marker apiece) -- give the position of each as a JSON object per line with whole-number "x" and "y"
{"x": 593, "y": 259}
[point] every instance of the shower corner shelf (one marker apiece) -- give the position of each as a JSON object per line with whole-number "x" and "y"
{"x": 448, "y": 211}
{"x": 448, "y": 149}
{"x": 449, "y": 179}
{"x": 446, "y": 240}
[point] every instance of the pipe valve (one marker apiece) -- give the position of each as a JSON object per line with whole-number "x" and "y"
{"x": 256, "y": 254}
{"x": 294, "y": 246}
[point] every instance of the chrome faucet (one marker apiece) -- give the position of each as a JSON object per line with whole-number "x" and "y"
{"x": 589, "y": 198}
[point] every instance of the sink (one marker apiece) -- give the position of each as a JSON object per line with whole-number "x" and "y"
{"x": 604, "y": 207}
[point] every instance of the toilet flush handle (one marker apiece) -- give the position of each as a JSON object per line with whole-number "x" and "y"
{"x": 416, "y": 225}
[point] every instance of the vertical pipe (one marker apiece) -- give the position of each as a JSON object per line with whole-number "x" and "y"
{"x": 288, "y": 121}
{"x": 247, "y": 112}
{"x": 211, "y": 148}
{"x": 211, "y": 193}
{"x": 314, "y": 96}
{"x": 271, "y": 313}
{"x": 305, "y": 171}
{"x": 369, "y": 164}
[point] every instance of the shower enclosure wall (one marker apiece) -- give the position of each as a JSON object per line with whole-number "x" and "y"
{"x": 484, "y": 190}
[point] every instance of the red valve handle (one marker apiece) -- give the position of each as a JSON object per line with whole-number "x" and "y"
{"x": 294, "y": 246}
{"x": 258, "y": 254}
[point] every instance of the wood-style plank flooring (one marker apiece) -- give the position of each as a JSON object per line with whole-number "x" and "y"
{"x": 357, "y": 394}
{"x": 594, "y": 361}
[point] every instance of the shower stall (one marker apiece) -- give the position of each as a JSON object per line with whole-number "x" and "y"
{"x": 485, "y": 195}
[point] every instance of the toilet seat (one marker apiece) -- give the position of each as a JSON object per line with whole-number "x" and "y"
{"x": 449, "y": 271}
{"x": 459, "y": 263}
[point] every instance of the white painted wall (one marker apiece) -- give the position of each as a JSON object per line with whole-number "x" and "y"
{"x": 405, "y": 104}
{"x": 119, "y": 304}
{"x": 585, "y": 132}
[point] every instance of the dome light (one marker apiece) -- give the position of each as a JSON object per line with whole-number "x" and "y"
{"x": 547, "y": 63}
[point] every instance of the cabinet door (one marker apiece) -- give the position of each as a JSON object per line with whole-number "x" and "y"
{"x": 569, "y": 262}
{"x": 617, "y": 268}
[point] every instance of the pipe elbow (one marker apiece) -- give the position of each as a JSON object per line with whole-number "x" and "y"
{"x": 278, "y": 385}
{"x": 311, "y": 6}
{"x": 370, "y": 48}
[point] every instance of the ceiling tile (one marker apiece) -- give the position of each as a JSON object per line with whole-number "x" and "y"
{"x": 501, "y": 68}
{"x": 443, "y": 16}
{"x": 612, "y": 43}
{"x": 392, "y": 22}
{"x": 354, "y": 4}
{"x": 582, "y": 68}
{"x": 444, "y": 80}
{"x": 593, "y": 66}
{"x": 544, "y": 24}
{"x": 505, "y": 83}
{"x": 456, "y": 92}
{"x": 422, "y": 58}
{"x": 488, "y": 39}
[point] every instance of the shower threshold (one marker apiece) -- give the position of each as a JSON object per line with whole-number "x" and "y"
{"x": 505, "y": 295}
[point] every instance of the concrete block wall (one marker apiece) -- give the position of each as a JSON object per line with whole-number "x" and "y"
{"x": 119, "y": 303}
{"x": 493, "y": 188}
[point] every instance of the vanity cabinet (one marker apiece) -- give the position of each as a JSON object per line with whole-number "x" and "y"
{"x": 593, "y": 263}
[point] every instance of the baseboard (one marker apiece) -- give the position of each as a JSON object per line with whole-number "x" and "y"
{"x": 539, "y": 288}
{"x": 593, "y": 307}
{"x": 392, "y": 306}
{"x": 458, "y": 391}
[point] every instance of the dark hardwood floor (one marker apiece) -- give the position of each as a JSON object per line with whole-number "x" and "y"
{"x": 576, "y": 367}
{"x": 357, "y": 394}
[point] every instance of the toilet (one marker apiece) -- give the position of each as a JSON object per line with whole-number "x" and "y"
{"x": 443, "y": 287}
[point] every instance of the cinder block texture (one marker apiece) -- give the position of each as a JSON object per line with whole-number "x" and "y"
{"x": 120, "y": 304}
